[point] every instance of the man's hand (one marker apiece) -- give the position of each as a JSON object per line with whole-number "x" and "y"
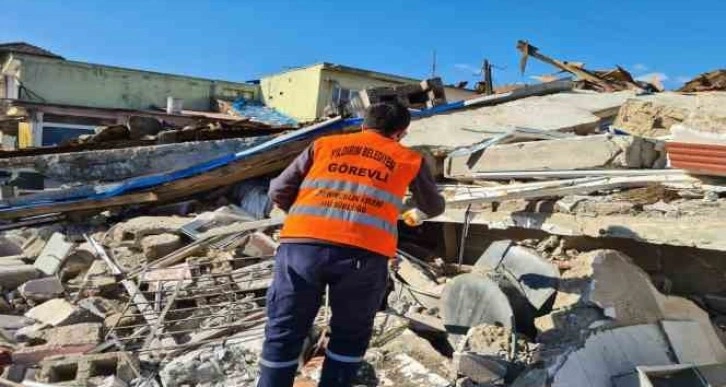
{"x": 413, "y": 217}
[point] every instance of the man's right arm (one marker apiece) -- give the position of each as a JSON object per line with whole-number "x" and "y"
{"x": 425, "y": 193}
{"x": 285, "y": 187}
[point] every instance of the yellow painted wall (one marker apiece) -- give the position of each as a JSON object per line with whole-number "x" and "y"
{"x": 345, "y": 80}
{"x": 293, "y": 92}
{"x": 83, "y": 84}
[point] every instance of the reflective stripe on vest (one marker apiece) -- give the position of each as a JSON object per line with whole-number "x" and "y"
{"x": 345, "y": 215}
{"x": 356, "y": 188}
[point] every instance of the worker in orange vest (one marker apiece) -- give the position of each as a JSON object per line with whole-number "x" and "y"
{"x": 343, "y": 197}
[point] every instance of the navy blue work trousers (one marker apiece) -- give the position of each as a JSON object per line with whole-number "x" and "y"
{"x": 357, "y": 279}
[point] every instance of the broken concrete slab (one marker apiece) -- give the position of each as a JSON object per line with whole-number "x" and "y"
{"x": 59, "y": 312}
{"x": 535, "y": 278}
{"x": 42, "y": 289}
{"x": 691, "y": 344}
{"x": 611, "y": 353}
{"x": 158, "y": 246}
{"x": 569, "y": 111}
{"x": 472, "y": 299}
{"x": 119, "y": 164}
{"x": 646, "y": 227}
{"x": 54, "y": 254}
{"x": 593, "y": 152}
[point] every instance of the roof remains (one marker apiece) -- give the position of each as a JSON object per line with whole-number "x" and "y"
{"x": 26, "y": 48}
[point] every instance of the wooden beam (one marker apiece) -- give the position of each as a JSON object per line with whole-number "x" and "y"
{"x": 95, "y": 204}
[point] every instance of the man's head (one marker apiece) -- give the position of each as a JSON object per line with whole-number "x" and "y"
{"x": 389, "y": 118}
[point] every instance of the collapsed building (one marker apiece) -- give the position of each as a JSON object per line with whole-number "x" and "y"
{"x": 581, "y": 245}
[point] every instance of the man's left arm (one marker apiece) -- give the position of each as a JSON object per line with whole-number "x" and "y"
{"x": 284, "y": 188}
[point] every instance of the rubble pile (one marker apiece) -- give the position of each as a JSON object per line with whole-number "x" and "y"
{"x": 581, "y": 245}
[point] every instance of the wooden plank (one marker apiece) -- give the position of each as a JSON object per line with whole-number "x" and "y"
{"x": 94, "y": 204}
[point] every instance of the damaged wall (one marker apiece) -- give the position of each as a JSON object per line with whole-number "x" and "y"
{"x": 85, "y": 84}
{"x": 119, "y": 164}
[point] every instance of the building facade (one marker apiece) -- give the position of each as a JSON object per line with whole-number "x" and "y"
{"x": 46, "y": 95}
{"x": 311, "y": 92}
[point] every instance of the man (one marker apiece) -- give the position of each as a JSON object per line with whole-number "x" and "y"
{"x": 343, "y": 196}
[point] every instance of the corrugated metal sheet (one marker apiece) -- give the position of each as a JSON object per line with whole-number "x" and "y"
{"x": 700, "y": 159}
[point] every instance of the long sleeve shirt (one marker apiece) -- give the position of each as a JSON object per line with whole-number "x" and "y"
{"x": 284, "y": 188}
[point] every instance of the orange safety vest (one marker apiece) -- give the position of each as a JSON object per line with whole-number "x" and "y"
{"x": 354, "y": 191}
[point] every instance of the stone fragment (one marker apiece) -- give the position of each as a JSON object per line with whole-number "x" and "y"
{"x": 42, "y": 289}
{"x": 12, "y": 322}
{"x": 157, "y": 246}
{"x": 479, "y": 368}
{"x": 13, "y": 276}
{"x": 56, "y": 250}
{"x": 59, "y": 312}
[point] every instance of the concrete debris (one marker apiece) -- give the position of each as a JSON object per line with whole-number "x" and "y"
{"x": 53, "y": 255}
{"x": 597, "y": 151}
{"x": 710, "y": 81}
{"x": 427, "y": 94}
{"x": 611, "y": 353}
{"x": 67, "y": 340}
{"x": 157, "y": 246}
{"x": 478, "y": 368}
{"x": 571, "y": 252}
{"x": 42, "y": 289}
{"x": 82, "y": 370}
{"x": 59, "y": 312}
{"x": 228, "y": 365}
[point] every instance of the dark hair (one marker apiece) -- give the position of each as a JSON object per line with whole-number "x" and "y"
{"x": 387, "y": 117}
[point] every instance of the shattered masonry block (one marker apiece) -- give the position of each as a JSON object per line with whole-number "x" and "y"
{"x": 72, "y": 339}
{"x": 54, "y": 254}
{"x": 58, "y": 312}
{"x": 42, "y": 289}
{"x": 79, "y": 369}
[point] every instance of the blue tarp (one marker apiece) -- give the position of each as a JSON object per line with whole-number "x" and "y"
{"x": 102, "y": 191}
{"x": 258, "y": 112}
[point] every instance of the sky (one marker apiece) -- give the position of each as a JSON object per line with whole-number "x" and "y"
{"x": 244, "y": 40}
